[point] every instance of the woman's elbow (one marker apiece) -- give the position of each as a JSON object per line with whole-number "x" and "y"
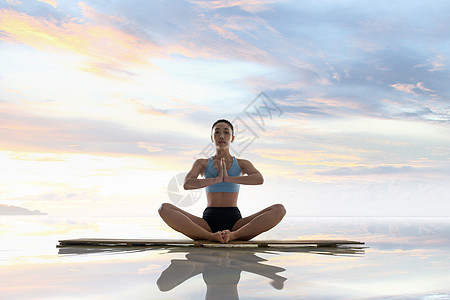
{"x": 187, "y": 186}
{"x": 190, "y": 184}
{"x": 261, "y": 180}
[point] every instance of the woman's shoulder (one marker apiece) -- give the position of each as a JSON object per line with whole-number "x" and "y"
{"x": 200, "y": 165}
{"x": 202, "y": 161}
{"x": 242, "y": 160}
{"x": 243, "y": 163}
{"x": 246, "y": 166}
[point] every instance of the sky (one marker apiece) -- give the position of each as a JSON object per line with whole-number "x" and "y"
{"x": 343, "y": 106}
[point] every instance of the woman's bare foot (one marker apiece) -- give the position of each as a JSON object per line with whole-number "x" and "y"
{"x": 228, "y": 236}
{"x": 217, "y": 236}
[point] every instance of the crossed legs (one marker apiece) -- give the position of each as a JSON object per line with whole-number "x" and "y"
{"x": 191, "y": 226}
{"x": 245, "y": 229}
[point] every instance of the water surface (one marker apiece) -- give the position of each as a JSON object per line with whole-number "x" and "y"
{"x": 404, "y": 258}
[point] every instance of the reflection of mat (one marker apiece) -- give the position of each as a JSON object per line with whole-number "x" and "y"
{"x": 202, "y": 243}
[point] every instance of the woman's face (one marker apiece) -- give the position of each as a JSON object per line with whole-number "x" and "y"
{"x": 222, "y": 135}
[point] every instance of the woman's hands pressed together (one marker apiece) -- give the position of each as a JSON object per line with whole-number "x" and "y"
{"x": 222, "y": 174}
{"x": 224, "y": 170}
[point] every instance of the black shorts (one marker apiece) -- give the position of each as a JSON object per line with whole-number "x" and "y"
{"x": 221, "y": 218}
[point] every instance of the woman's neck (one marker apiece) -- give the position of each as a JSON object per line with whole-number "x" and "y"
{"x": 223, "y": 153}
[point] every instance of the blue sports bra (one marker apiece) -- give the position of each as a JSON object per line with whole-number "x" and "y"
{"x": 227, "y": 187}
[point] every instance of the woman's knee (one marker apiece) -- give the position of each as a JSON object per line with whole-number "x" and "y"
{"x": 164, "y": 208}
{"x": 279, "y": 209}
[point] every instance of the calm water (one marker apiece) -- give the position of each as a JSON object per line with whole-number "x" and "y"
{"x": 405, "y": 258}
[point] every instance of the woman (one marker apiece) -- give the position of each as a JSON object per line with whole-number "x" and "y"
{"x": 222, "y": 220}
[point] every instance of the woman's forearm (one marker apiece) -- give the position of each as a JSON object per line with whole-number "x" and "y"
{"x": 253, "y": 179}
{"x": 198, "y": 183}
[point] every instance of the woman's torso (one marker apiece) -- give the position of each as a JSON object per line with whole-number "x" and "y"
{"x": 220, "y": 199}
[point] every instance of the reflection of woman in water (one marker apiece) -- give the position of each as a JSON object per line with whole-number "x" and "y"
{"x": 221, "y": 271}
{"x": 223, "y": 174}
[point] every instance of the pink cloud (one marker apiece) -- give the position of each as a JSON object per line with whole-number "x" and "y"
{"x": 250, "y": 6}
{"x": 105, "y": 48}
{"x": 411, "y": 88}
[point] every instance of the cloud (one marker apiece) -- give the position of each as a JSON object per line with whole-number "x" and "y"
{"x": 14, "y": 2}
{"x": 115, "y": 44}
{"x": 373, "y": 85}
{"x": 106, "y": 49}
{"x": 33, "y": 133}
{"x": 427, "y": 114}
{"x": 53, "y": 3}
{"x": 438, "y": 63}
{"x": 380, "y": 170}
{"x": 307, "y": 107}
{"x": 253, "y": 6}
{"x": 15, "y": 210}
{"x": 411, "y": 88}
{"x": 150, "y": 147}
{"x": 356, "y": 57}
{"x": 309, "y": 158}
{"x": 148, "y": 109}
{"x": 363, "y": 86}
